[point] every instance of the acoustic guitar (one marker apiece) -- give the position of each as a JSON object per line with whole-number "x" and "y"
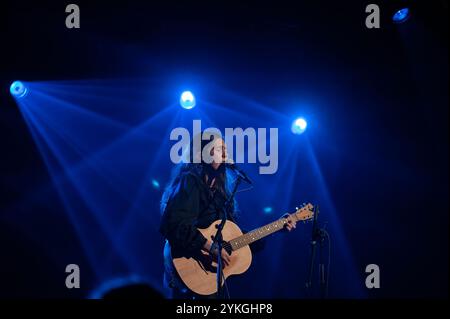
{"x": 199, "y": 273}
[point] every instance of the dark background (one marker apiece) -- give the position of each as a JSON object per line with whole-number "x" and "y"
{"x": 382, "y": 144}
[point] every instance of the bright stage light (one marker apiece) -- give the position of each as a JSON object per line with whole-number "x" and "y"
{"x": 401, "y": 15}
{"x": 187, "y": 100}
{"x": 155, "y": 184}
{"x": 299, "y": 126}
{"x": 18, "y": 89}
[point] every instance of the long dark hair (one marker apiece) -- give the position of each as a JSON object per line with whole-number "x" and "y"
{"x": 223, "y": 181}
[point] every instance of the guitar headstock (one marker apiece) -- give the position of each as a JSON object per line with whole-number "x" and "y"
{"x": 305, "y": 212}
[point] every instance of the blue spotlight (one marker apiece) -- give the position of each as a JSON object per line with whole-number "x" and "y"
{"x": 299, "y": 126}
{"x": 18, "y": 89}
{"x": 155, "y": 184}
{"x": 401, "y": 15}
{"x": 187, "y": 100}
{"x": 267, "y": 210}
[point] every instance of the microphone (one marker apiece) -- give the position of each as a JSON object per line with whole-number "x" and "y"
{"x": 239, "y": 172}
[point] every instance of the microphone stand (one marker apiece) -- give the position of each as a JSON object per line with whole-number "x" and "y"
{"x": 318, "y": 235}
{"x": 218, "y": 239}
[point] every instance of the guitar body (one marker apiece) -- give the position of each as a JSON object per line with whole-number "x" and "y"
{"x": 199, "y": 273}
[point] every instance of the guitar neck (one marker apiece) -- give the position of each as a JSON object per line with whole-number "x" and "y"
{"x": 258, "y": 233}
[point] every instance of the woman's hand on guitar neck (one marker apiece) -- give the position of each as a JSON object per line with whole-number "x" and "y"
{"x": 225, "y": 256}
{"x": 291, "y": 223}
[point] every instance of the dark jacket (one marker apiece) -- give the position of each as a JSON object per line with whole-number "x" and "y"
{"x": 192, "y": 205}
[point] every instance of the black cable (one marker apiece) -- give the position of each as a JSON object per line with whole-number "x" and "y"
{"x": 226, "y": 286}
{"x": 329, "y": 262}
{"x": 327, "y": 275}
{"x": 243, "y": 189}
